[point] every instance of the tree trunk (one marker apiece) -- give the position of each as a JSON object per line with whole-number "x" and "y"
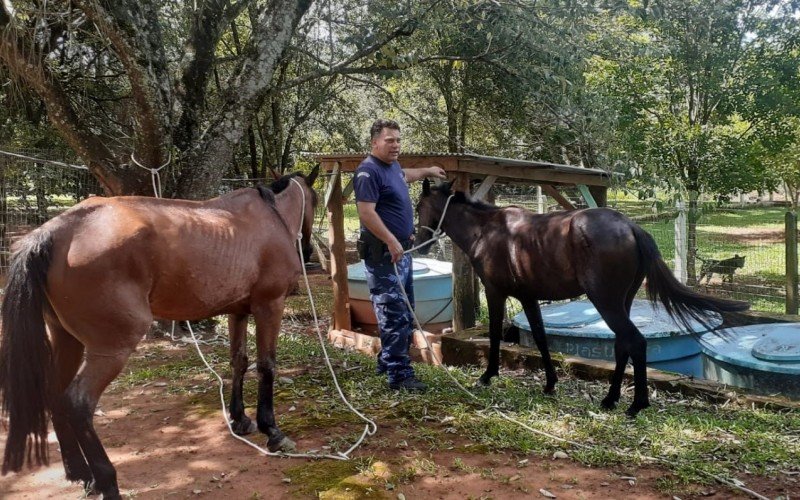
{"x": 3, "y": 215}
{"x": 251, "y": 142}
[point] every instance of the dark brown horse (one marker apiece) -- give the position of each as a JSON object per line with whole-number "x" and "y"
{"x": 561, "y": 255}
{"x": 96, "y": 276}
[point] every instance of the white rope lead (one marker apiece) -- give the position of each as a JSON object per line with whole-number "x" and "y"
{"x": 437, "y": 233}
{"x": 371, "y": 427}
{"x": 228, "y": 420}
{"x": 154, "y": 175}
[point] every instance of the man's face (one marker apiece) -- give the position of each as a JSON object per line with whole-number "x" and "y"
{"x": 386, "y": 147}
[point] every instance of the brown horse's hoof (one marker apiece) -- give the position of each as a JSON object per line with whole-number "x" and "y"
{"x": 285, "y": 445}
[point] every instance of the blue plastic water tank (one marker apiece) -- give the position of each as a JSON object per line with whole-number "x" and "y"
{"x": 576, "y": 329}
{"x": 433, "y": 291}
{"x": 762, "y": 358}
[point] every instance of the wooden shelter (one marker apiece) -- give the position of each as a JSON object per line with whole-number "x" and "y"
{"x": 465, "y": 170}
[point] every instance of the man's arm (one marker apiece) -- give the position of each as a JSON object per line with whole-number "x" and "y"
{"x": 372, "y": 221}
{"x": 415, "y": 174}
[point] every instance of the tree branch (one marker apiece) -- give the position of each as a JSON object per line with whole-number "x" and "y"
{"x": 134, "y": 31}
{"x": 341, "y": 68}
{"x": 18, "y": 54}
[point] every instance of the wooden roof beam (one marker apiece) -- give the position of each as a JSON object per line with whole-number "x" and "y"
{"x": 537, "y": 175}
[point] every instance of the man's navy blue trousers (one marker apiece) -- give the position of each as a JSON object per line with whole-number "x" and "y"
{"x": 395, "y": 322}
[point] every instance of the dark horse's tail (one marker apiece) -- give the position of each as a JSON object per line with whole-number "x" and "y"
{"x": 680, "y": 302}
{"x": 25, "y": 354}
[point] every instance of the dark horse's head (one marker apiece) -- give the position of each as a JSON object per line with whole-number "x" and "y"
{"x": 307, "y": 185}
{"x": 430, "y": 208}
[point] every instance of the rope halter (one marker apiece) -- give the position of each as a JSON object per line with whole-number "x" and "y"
{"x": 437, "y": 233}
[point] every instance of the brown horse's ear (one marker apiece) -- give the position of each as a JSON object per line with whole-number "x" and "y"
{"x": 426, "y": 187}
{"x": 312, "y": 176}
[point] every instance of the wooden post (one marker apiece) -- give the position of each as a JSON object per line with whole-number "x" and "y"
{"x": 600, "y": 194}
{"x": 553, "y": 193}
{"x": 464, "y": 305}
{"x": 791, "y": 263}
{"x": 338, "y": 264}
{"x": 681, "y": 244}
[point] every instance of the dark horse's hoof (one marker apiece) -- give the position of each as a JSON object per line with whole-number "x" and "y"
{"x": 483, "y": 383}
{"x": 281, "y": 443}
{"x": 83, "y": 476}
{"x": 112, "y": 494}
{"x": 608, "y": 403}
{"x": 550, "y": 389}
{"x": 635, "y": 409}
{"x": 243, "y": 427}
{"x": 89, "y": 487}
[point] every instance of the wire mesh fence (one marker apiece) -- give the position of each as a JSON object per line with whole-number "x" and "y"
{"x": 32, "y": 192}
{"x": 741, "y": 254}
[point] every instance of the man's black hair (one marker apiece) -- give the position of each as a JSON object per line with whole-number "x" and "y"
{"x": 380, "y": 124}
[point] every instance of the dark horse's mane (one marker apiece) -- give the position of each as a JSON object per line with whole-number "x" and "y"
{"x": 268, "y": 193}
{"x": 461, "y": 197}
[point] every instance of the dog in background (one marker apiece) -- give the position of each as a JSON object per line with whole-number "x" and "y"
{"x": 724, "y": 267}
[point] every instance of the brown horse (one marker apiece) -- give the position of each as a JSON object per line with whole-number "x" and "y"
{"x": 561, "y": 255}
{"x": 98, "y": 274}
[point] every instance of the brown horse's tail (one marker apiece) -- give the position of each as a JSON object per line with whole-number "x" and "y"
{"x": 25, "y": 354}
{"x": 681, "y": 302}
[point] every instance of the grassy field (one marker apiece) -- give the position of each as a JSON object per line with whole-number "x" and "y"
{"x": 757, "y": 234}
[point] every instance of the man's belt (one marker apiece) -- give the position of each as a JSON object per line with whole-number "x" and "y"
{"x": 373, "y": 250}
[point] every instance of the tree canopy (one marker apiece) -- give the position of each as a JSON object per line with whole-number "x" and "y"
{"x": 682, "y": 96}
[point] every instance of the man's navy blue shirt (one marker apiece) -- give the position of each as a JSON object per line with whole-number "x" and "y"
{"x": 385, "y": 185}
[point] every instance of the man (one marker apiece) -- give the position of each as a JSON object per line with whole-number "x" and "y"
{"x": 387, "y": 226}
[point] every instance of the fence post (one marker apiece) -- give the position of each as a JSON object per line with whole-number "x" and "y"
{"x": 681, "y": 243}
{"x": 464, "y": 302}
{"x": 540, "y": 203}
{"x": 791, "y": 263}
